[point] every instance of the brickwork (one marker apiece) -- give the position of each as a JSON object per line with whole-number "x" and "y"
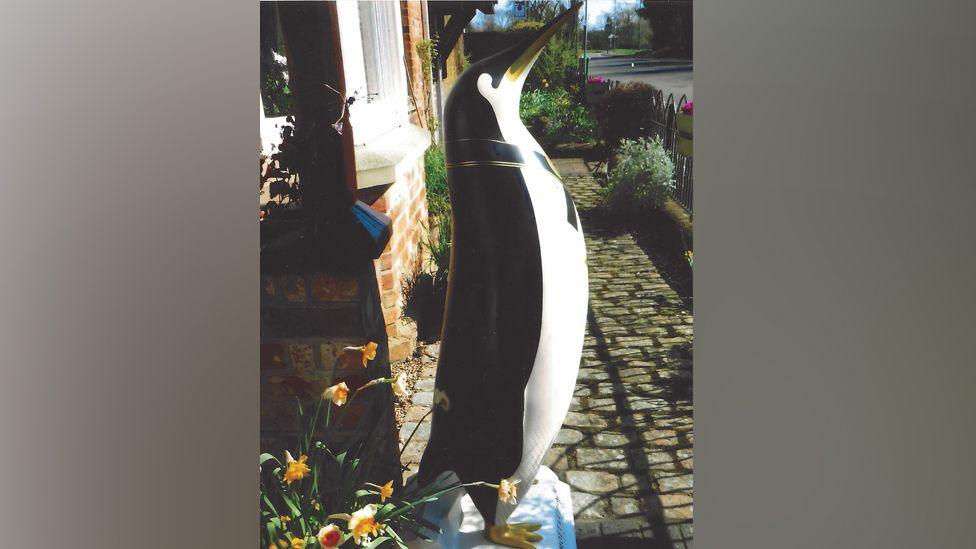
{"x": 405, "y": 202}
{"x": 627, "y": 442}
{"x": 306, "y": 321}
{"x": 414, "y": 32}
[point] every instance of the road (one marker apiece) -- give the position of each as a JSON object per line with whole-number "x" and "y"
{"x": 668, "y": 75}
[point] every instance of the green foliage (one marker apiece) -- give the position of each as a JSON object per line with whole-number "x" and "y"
{"x": 438, "y": 198}
{"x": 553, "y": 116}
{"x": 275, "y": 92}
{"x": 556, "y": 66}
{"x": 438, "y": 242}
{"x": 325, "y": 483}
{"x": 526, "y": 26}
{"x": 642, "y": 178}
{"x": 627, "y": 112}
{"x": 425, "y": 50}
{"x": 425, "y": 291}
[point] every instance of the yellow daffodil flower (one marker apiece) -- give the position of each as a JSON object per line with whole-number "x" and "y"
{"x": 363, "y": 524}
{"x": 507, "y": 491}
{"x": 386, "y": 491}
{"x": 329, "y": 536}
{"x": 337, "y": 394}
{"x": 297, "y": 543}
{"x": 295, "y": 470}
{"x": 367, "y": 351}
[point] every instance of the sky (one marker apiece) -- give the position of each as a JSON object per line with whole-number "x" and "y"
{"x": 596, "y": 9}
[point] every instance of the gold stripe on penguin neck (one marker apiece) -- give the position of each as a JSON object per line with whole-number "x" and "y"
{"x": 470, "y": 163}
{"x": 524, "y": 61}
{"x": 467, "y": 163}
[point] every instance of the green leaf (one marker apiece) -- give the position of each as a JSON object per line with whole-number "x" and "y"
{"x": 268, "y": 457}
{"x": 383, "y": 511}
{"x": 396, "y": 537}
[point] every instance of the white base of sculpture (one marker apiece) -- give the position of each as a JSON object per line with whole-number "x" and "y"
{"x": 547, "y": 502}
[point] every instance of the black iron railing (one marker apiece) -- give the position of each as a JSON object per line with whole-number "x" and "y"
{"x": 664, "y": 117}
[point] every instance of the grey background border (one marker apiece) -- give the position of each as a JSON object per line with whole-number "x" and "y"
{"x": 834, "y": 270}
{"x": 834, "y": 274}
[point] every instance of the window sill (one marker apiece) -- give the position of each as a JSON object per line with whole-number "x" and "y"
{"x": 377, "y": 160}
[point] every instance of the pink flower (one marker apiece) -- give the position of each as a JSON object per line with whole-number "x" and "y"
{"x": 597, "y": 80}
{"x": 689, "y": 108}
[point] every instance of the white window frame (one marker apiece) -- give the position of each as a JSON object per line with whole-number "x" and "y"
{"x": 371, "y": 119}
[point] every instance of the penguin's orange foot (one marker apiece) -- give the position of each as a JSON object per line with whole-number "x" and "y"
{"x": 519, "y": 534}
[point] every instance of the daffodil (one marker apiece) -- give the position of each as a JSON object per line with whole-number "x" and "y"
{"x": 337, "y": 393}
{"x": 284, "y": 520}
{"x": 297, "y": 543}
{"x": 363, "y": 524}
{"x": 329, "y": 536}
{"x": 400, "y": 385}
{"x": 295, "y": 470}
{"x": 440, "y": 399}
{"x": 367, "y": 351}
{"x": 507, "y": 491}
{"x": 385, "y": 491}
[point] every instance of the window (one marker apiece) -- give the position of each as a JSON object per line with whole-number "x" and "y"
{"x": 372, "y": 53}
{"x": 381, "y": 49}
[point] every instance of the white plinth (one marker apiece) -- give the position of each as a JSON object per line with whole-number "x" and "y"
{"x": 547, "y": 502}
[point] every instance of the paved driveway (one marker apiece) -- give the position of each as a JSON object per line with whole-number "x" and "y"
{"x": 668, "y": 75}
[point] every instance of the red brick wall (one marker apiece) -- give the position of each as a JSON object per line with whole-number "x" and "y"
{"x": 406, "y": 204}
{"x": 414, "y": 32}
{"x": 306, "y": 321}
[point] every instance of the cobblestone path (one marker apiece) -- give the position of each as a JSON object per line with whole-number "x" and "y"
{"x": 626, "y": 445}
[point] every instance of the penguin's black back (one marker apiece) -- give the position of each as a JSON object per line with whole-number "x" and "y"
{"x": 492, "y": 322}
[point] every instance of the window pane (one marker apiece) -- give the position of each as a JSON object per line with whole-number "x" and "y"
{"x": 378, "y": 25}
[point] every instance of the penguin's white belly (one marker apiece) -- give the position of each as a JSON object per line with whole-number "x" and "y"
{"x": 565, "y": 290}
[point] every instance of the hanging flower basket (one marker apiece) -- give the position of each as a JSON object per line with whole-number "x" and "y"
{"x": 684, "y": 124}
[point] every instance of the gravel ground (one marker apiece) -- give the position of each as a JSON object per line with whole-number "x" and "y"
{"x": 412, "y": 367}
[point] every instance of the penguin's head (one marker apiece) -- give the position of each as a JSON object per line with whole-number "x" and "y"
{"x": 484, "y": 102}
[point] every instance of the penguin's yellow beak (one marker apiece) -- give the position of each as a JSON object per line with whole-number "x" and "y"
{"x": 524, "y": 61}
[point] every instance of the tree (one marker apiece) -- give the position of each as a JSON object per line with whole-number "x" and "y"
{"x": 629, "y": 30}
{"x": 671, "y": 22}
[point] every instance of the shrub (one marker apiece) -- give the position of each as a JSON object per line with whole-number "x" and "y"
{"x": 552, "y": 116}
{"x": 555, "y": 67}
{"x": 438, "y": 198}
{"x": 642, "y": 178}
{"x": 526, "y": 26}
{"x": 438, "y": 242}
{"x": 425, "y": 291}
{"x": 627, "y": 112}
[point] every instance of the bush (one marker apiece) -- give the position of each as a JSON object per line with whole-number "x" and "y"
{"x": 556, "y": 66}
{"x": 627, "y": 112}
{"x": 438, "y": 198}
{"x": 424, "y": 292}
{"x": 552, "y": 116}
{"x": 526, "y": 26}
{"x": 642, "y": 178}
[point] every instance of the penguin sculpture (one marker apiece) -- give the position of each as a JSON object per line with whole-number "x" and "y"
{"x": 516, "y": 303}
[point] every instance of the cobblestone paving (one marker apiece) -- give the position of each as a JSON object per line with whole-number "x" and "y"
{"x": 626, "y": 445}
